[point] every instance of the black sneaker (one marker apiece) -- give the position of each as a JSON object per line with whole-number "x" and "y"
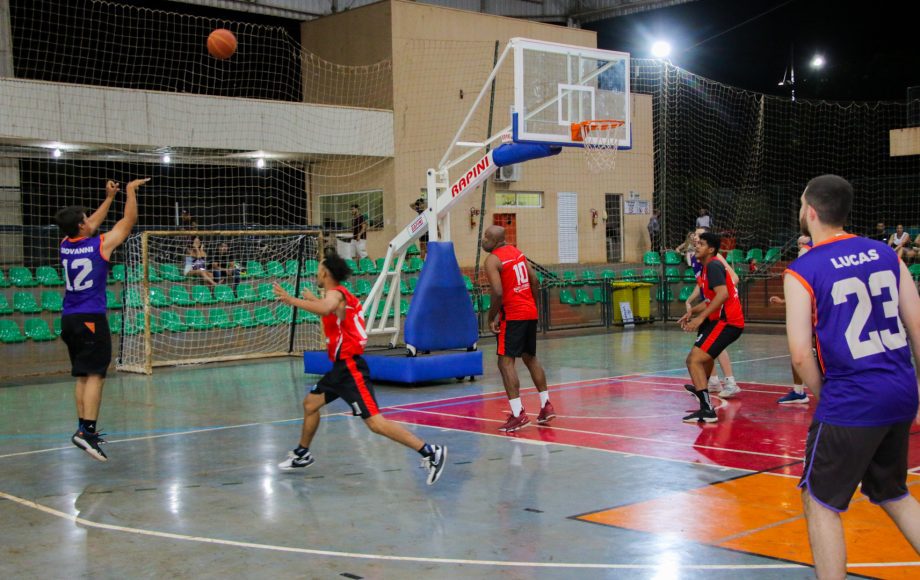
{"x": 295, "y": 461}
{"x": 701, "y": 415}
{"x": 691, "y": 389}
{"x": 89, "y": 442}
{"x": 435, "y": 463}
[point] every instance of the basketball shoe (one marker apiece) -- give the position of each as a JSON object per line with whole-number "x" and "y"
{"x": 435, "y": 464}
{"x": 294, "y": 461}
{"x": 89, "y": 442}
{"x": 514, "y": 423}
{"x": 547, "y": 414}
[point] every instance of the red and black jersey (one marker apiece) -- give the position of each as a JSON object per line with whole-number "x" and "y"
{"x": 345, "y": 337}
{"x": 517, "y": 297}
{"x": 713, "y": 276}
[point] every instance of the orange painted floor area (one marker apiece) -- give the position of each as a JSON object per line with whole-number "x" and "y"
{"x": 762, "y": 514}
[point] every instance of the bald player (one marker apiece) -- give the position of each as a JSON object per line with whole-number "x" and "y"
{"x": 513, "y": 317}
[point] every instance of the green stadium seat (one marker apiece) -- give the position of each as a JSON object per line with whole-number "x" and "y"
{"x": 310, "y": 267}
{"x": 131, "y": 327}
{"x": 672, "y": 274}
{"x": 24, "y": 302}
{"x": 117, "y": 273}
{"x": 219, "y": 318}
{"x": 650, "y": 276}
{"x": 113, "y": 299}
{"x": 56, "y": 326}
{"x": 685, "y": 293}
{"x": 608, "y": 275}
{"x": 180, "y": 296}
{"x": 159, "y": 298}
{"x": 254, "y": 269}
{"x": 266, "y": 292}
{"x": 468, "y": 282}
{"x": 915, "y": 271}
{"x": 379, "y": 263}
{"x": 4, "y": 281}
{"x": 664, "y": 294}
{"x": 413, "y": 265}
{"x": 202, "y": 295}
{"x": 264, "y": 316}
{"x": 290, "y": 268}
{"x": 156, "y": 326}
{"x": 154, "y": 273}
{"x": 9, "y": 331}
{"x": 754, "y": 254}
{"x": 583, "y": 297}
{"x": 404, "y": 287}
{"x": 171, "y": 273}
{"x": 242, "y": 317}
{"x": 48, "y": 276}
{"x": 672, "y": 258}
{"x": 224, "y": 294}
{"x": 245, "y": 292}
{"x": 362, "y": 288}
{"x": 38, "y": 330}
{"x": 403, "y": 307}
{"x": 735, "y": 256}
{"x": 570, "y": 277}
{"x": 368, "y": 266}
{"x": 353, "y": 266}
{"x": 307, "y": 317}
{"x": 413, "y": 284}
{"x": 628, "y": 275}
{"x": 196, "y": 321}
{"x": 483, "y": 303}
{"x": 284, "y": 314}
{"x": 172, "y": 321}
{"x": 588, "y": 276}
{"x": 275, "y": 269}
{"x": 52, "y": 301}
{"x": 689, "y": 275}
{"x": 5, "y": 307}
{"x": 134, "y": 274}
{"x": 598, "y": 294}
{"x": 115, "y": 322}
{"x": 566, "y": 297}
{"x": 413, "y": 251}
{"x": 22, "y": 277}
{"x": 651, "y": 259}
{"x": 773, "y": 254}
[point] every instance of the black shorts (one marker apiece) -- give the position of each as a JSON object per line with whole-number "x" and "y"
{"x": 714, "y": 336}
{"x": 517, "y": 337}
{"x": 350, "y": 380}
{"x": 89, "y": 343}
{"x": 838, "y": 459}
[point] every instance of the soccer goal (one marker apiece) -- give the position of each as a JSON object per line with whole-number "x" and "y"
{"x": 205, "y": 296}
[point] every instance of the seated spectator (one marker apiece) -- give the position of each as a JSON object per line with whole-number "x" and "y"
{"x": 196, "y": 262}
{"x": 224, "y": 268}
{"x": 879, "y": 234}
{"x": 900, "y": 241}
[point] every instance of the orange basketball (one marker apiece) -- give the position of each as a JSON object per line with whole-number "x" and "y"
{"x": 221, "y": 43}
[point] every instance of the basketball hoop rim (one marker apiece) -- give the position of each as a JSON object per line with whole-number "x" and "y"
{"x": 582, "y": 128}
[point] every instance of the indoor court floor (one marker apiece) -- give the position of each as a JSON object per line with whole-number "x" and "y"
{"x": 615, "y": 487}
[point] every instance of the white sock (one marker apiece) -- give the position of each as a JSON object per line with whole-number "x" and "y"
{"x": 799, "y": 389}
{"x": 516, "y": 406}
{"x": 730, "y": 380}
{"x": 544, "y": 398}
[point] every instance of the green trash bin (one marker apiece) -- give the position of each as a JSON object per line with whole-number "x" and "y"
{"x": 622, "y": 292}
{"x": 642, "y": 300}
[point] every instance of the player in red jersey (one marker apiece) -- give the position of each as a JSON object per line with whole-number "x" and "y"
{"x": 719, "y": 321}
{"x": 513, "y": 317}
{"x": 343, "y": 325}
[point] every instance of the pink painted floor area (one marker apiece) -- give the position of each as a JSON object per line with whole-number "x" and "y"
{"x": 641, "y": 415}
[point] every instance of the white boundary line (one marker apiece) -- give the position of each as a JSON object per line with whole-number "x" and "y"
{"x": 384, "y": 557}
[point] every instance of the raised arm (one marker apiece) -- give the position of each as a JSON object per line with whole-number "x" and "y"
{"x": 123, "y": 227}
{"x": 321, "y": 306}
{"x": 95, "y": 220}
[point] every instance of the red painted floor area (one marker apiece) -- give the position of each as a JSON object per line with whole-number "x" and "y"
{"x": 641, "y": 415}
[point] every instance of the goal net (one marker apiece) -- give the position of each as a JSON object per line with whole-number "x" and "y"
{"x": 204, "y": 296}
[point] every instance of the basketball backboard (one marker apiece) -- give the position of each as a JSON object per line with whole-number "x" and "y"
{"x": 557, "y": 85}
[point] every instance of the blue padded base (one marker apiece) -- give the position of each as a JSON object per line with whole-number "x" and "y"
{"x": 404, "y": 369}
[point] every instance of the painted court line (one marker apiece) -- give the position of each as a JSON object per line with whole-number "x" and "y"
{"x": 384, "y": 557}
{"x": 616, "y": 435}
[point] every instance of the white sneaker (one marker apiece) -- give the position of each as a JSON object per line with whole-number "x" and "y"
{"x": 294, "y": 461}
{"x": 715, "y": 384}
{"x": 730, "y": 390}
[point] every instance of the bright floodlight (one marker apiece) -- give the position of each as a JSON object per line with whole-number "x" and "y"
{"x": 260, "y": 163}
{"x": 817, "y": 61}
{"x": 166, "y": 159}
{"x": 661, "y": 49}
{"x": 56, "y": 152}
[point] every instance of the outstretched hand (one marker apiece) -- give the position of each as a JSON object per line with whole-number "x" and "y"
{"x": 137, "y": 183}
{"x": 776, "y": 300}
{"x": 280, "y": 293}
{"x": 111, "y": 189}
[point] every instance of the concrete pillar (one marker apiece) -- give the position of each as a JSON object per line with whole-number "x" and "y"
{"x": 10, "y": 213}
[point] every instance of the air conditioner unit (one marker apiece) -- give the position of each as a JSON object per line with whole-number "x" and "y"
{"x": 509, "y": 173}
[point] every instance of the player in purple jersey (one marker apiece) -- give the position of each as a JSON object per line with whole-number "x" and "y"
{"x": 859, "y": 301}
{"x": 85, "y": 329}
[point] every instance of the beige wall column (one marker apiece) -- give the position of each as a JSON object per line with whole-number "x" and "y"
{"x": 10, "y": 213}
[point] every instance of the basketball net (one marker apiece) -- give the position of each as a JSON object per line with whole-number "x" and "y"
{"x": 600, "y": 143}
